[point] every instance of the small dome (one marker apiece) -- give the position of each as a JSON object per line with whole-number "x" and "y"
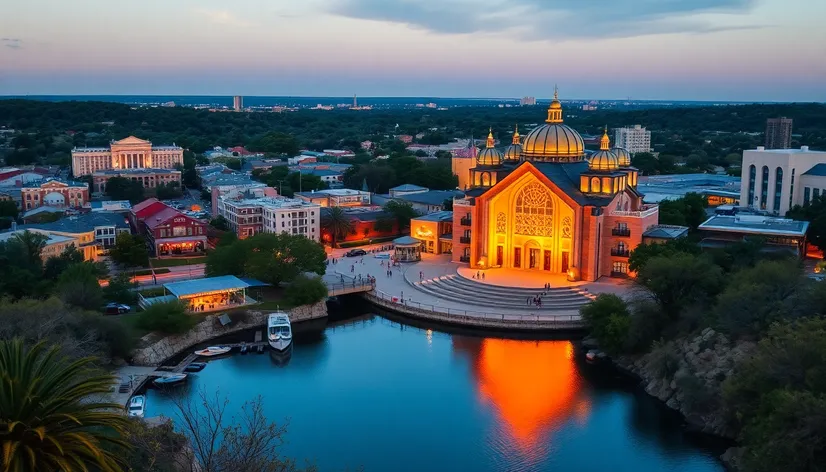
{"x": 490, "y": 156}
{"x": 623, "y": 157}
{"x": 513, "y": 153}
{"x": 604, "y": 160}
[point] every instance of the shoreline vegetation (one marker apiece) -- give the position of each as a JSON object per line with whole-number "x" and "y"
{"x": 733, "y": 339}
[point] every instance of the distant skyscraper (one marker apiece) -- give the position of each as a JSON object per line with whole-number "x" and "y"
{"x": 633, "y": 140}
{"x": 238, "y": 103}
{"x": 779, "y": 133}
{"x": 355, "y": 101}
{"x": 527, "y": 101}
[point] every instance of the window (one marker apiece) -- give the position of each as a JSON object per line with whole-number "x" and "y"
{"x": 178, "y": 231}
{"x": 517, "y": 257}
{"x": 534, "y": 211}
{"x": 189, "y": 230}
{"x": 806, "y": 195}
{"x": 791, "y": 190}
{"x": 816, "y": 194}
{"x": 778, "y": 188}
{"x": 752, "y": 176}
{"x": 619, "y": 268}
{"x": 764, "y": 188}
{"x": 595, "y": 185}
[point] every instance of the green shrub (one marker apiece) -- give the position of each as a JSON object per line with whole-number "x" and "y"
{"x": 166, "y": 317}
{"x": 305, "y": 291}
{"x": 78, "y": 286}
{"x": 664, "y": 359}
{"x": 610, "y": 321}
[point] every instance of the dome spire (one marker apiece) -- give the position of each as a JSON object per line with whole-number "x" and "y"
{"x": 605, "y": 142}
{"x": 516, "y": 134}
{"x": 555, "y": 110}
{"x": 490, "y": 143}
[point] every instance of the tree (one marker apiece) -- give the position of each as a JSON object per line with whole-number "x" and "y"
{"x": 168, "y": 191}
{"x": 384, "y": 223}
{"x": 234, "y": 164}
{"x": 166, "y": 317}
{"x": 687, "y": 211}
{"x": 120, "y": 289}
{"x": 220, "y": 223}
{"x": 78, "y": 286}
{"x": 645, "y": 252}
{"x": 55, "y": 266}
{"x": 218, "y": 443}
{"x": 129, "y": 251}
{"x": 815, "y": 214}
{"x": 402, "y": 212}
{"x": 8, "y": 209}
{"x": 610, "y": 321}
{"x": 680, "y": 281}
{"x": 277, "y": 143}
{"x": 305, "y": 290}
{"x": 52, "y": 417}
{"x": 123, "y": 188}
{"x": 645, "y": 162}
{"x": 282, "y": 257}
{"x": 337, "y": 223}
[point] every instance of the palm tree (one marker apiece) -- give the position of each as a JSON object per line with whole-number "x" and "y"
{"x": 337, "y": 223}
{"x": 50, "y": 417}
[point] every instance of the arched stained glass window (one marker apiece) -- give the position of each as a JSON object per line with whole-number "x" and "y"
{"x": 534, "y": 211}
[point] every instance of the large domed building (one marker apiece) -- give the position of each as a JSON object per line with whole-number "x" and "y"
{"x": 546, "y": 205}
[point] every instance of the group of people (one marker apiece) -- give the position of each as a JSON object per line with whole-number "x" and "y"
{"x": 537, "y": 300}
{"x": 479, "y": 275}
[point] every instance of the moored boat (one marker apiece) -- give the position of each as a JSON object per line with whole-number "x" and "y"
{"x": 213, "y": 351}
{"x": 170, "y": 380}
{"x": 195, "y": 367}
{"x": 279, "y": 331}
{"x": 137, "y": 407}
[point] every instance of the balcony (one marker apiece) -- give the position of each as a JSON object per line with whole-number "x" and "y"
{"x": 645, "y": 210}
{"x": 464, "y": 239}
{"x": 465, "y": 259}
{"x": 626, "y": 232}
{"x": 620, "y": 252}
{"x": 465, "y": 221}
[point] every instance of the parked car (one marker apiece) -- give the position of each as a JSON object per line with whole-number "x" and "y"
{"x": 355, "y": 253}
{"x": 117, "y": 309}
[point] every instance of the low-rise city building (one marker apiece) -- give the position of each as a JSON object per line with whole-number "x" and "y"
{"x": 20, "y": 176}
{"x": 633, "y": 139}
{"x": 52, "y": 247}
{"x": 435, "y": 231}
{"x": 93, "y": 233}
{"x": 775, "y": 180}
{"x": 54, "y": 193}
{"x": 367, "y": 224}
{"x": 422, "y": 199}
{"x": 779, "y": 234}
{"x": 250, "y": 216}
{"x": 167, "y": 230}
{"x": 128, "y": 153}
{"x": 718, "y": 189}
{"x": 340, "y": 197}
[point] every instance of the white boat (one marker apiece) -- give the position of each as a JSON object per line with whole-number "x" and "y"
{"x": 213, "y": 351}
{"x": 279, "y": 331}
{"x": 137, "y": 406}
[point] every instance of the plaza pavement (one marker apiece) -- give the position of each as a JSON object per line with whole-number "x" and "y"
{"x": 401, "y": 283}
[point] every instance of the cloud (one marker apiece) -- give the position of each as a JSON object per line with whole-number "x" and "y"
{"x": 13, "y": 43}
{"x": 550, "y": 19}
{"x": 223, "y": 18}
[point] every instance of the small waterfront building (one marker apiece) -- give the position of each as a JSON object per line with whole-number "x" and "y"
{"x": 435, "y": 231}
{"x": 407, "y": 249}
{"x": 203, "y": 295}
{"x": 779, "y": 234}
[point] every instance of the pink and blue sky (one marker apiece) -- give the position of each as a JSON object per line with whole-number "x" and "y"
{"x": 761, "y": 50}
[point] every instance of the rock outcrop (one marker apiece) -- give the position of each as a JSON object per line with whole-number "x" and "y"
{"x": 155, "y": 351}
{"x": 687, "y": 375}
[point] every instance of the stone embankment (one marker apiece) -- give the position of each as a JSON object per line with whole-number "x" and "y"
{"x": 155, "y": 351}
{"x": 687, "y": 375}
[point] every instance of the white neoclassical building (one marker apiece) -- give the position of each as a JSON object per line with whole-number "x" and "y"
{"x": 128, "y": 153}
{"x": 774, "y": 180}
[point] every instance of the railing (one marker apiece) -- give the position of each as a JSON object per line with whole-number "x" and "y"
{"x": 620, "y": 252}
{"x": 464, "y": 259}
{"x": 476, "y": 318}
{"x": 465, "y": 221}
{"x": 621, "y": 232}
{"x": 647, "y": 210}
{"x": 464, "y": 239}
{"x": 341, "y": 288}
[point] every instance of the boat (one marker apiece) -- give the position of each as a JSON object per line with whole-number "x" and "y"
{"x": 260, "y": 349}
{"x": 137, "y": 407}
{"x": 281, "y": 358}
{"x": 195, "y": 367}
{"x": 213, "y": 351}
{"x": 170, "y": 380}
{"x": 245, "y": 348}
{"x": 279, "y": 331}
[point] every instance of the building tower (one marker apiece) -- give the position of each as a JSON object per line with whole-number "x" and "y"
{"x": 238, "y": 103}
{"x": 779, "y": 133}
{"x": 355, "y": 101}
{"x": 514, "y": 152}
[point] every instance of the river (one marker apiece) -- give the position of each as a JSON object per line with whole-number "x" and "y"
{"x": 387, "y": 396}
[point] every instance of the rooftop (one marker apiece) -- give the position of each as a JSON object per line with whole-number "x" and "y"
{"x": 53, "y": 238}
{"x": 430, "y": 197}
{"x": 756, "y": 224}
{"x": 68, "y": 183}
{"x": 272, "y": 202}
{"x": 210, "y": 284}
{"x": 81, "y": 223}
{"x": 665, "y": 232}
{"x": 436, "y": 216}
{"x": 335, "y": 192}
{"x": 409, "y": 188}
{"x": 145, "y": 170}
{"x": 818, "y": 170}
{"x": 802, "y": 150}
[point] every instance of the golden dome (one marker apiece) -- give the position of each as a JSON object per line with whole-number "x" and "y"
{"x": 554, "y": 140}
{"x": 623, "y": 157}
{"x": 514, "y": 151}
{"x": 490, "y": 156}
{"x": 604, "y": 159}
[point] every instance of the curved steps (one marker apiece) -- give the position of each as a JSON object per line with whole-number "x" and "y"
{"x": 456, "y": 288}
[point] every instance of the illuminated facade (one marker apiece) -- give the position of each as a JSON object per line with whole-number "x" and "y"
{"x": 128, "y": 153}
{"x": 551, "y": 209}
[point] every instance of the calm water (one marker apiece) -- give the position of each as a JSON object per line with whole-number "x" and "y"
{"x": 392, "y": 397}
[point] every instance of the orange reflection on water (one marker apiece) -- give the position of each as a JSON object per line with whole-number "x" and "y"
{"x": 532, "y": 384}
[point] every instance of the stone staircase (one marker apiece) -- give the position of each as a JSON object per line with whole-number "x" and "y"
{"x": 459, "y": 289}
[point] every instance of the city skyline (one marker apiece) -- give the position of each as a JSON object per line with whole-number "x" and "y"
{"x": 739, "y": 50}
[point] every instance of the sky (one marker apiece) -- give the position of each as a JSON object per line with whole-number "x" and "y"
{"x": 737, "y": 50}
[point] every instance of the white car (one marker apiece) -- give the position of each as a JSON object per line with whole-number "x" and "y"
{"x": 137, "y": 406}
